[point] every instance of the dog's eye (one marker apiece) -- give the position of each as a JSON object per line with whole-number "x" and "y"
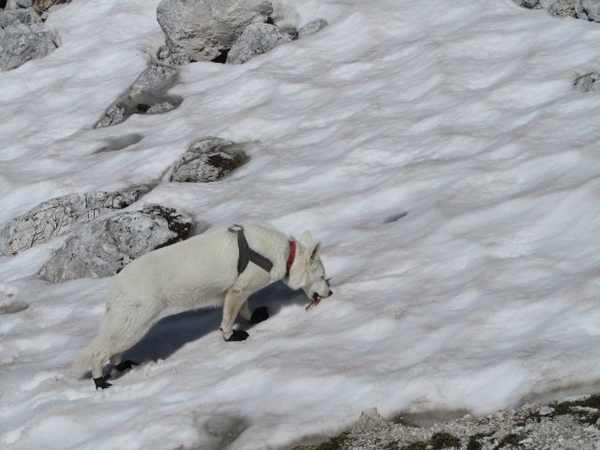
{"x": 328, "y": 281}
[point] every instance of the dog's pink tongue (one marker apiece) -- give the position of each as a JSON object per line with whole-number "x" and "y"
{"x": 314, "y": 303}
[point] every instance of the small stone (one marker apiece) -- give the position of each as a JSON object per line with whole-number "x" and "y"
{"x": 208, "y": 159}
{"x": 312, "y": 27}
{"x": 589, "y": 82}
{"x": 546, "y": 410}
{"x": 257, "y": 38}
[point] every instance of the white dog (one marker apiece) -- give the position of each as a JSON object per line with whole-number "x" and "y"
{"x": 223, "y": 266}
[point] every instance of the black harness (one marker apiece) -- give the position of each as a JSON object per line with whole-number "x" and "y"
{"x": 248, "y": 255}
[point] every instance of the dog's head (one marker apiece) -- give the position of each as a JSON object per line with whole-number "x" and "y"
{"x": 307, "y": 271}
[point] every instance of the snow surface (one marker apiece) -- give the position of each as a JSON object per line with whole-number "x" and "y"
{"x": 436, "y": 148}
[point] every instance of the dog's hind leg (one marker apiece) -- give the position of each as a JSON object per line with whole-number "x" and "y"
{"x": 123, "y": 325}
{"x": 234, "y": 300}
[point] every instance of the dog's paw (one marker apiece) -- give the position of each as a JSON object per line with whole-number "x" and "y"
{"x": 100, "y": 382}
{"x": 125, "y": 365}
{"x": 238, "y": 335}
{"x": 259, "y": 315}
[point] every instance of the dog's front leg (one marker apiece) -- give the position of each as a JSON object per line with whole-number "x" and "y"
{"x": 234, "y": 300}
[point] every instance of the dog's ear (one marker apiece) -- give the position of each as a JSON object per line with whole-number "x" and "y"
{"x": 306, "y": 239}
{"x": 315, "y": 251}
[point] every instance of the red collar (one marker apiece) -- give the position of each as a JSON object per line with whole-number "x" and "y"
{"x": 291, "y": 256}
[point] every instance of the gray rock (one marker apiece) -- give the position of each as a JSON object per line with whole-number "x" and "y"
{"x": 199, "y": 30}
{"x": 103, "y": 247}
{"x": 18, "y": 16}
{"x": 9, "y": 4}
{"x": 23, "y": 38}
{"x": 312, "y": 27}
{"x": 208, "y": 159}
{"x": 58, "y": 216}
{"x": 562, "y": 8}
{"x": 589, "y": 82}
{"x": 257, "y": 38}
{"x": 42, "y": 6}
{"x": 155, "y": 78}
{"x": 147, "y": 95}
{"x": 529, "y": 4}
{"x": 370, "y": 420}
{"x": 588, "y": 9}
{"x": 114, "y": 114}
{"x": 581, "y": 9}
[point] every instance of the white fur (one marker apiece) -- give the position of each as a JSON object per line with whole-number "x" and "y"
{"x": 197, "y": 272}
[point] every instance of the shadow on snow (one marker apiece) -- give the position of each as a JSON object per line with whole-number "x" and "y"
{"x": 171, "y": 333}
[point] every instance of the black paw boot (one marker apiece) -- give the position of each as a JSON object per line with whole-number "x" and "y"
{"x": 125, "y": 365}
{"x": 259, "y": 315}
{"x": 101, "y": 383}
{"x": 238, "y": 335}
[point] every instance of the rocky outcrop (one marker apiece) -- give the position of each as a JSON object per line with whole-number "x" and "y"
{"x": 23, "y": 38}
{"x": 103, "y": 247}
{"x": 588, "y": 9}
{"x": 59, "y": 215}
{"x": 570, "y": 424}
{"x": 232, "y": 31}
{"x": 147, "y": 95}
{"x": 257, "y": 38}
{"x": 208, "y": 159}
{"x": 581, "y": 9}
{"x": 199, "y": 30}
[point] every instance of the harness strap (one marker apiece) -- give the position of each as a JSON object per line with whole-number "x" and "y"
{"x": 248, "y": 255}
{"x": 291, "y": 256}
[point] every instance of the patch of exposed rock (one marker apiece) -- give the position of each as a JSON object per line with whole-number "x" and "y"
{"x": 200, "y": 30}
{"x": 147, "y": 95}
{"x": 222, "y": 30}
{"x": 569, "y": 425}
{"x": 312, "y": 27}
{"x": 588, "y": 82}
{"x": 588, "y": 9}
{"x": 208, "y": 159}
{"x": 581, "y": 9}
{"x": 103, "y": 247}
{"x": 257, "y": 38}
{"x": 23, "y": 37}
{"x": 59, "y": 215}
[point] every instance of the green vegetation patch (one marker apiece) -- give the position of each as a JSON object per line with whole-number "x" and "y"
{"x": 474, "y": 443}
{"x": 510, "y": 440}
{"x": 444, "y": 440}
{"x": 416, "y": 446}
{"x": 335, "y": 443}
{"x": 592, "y": 402}
{"x": 438, "y": 441}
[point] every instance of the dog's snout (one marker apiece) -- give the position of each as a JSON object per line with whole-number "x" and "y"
{"x": 330, "y": 293}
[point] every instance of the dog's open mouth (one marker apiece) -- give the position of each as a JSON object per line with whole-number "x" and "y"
{"x": 316, "y": 299}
